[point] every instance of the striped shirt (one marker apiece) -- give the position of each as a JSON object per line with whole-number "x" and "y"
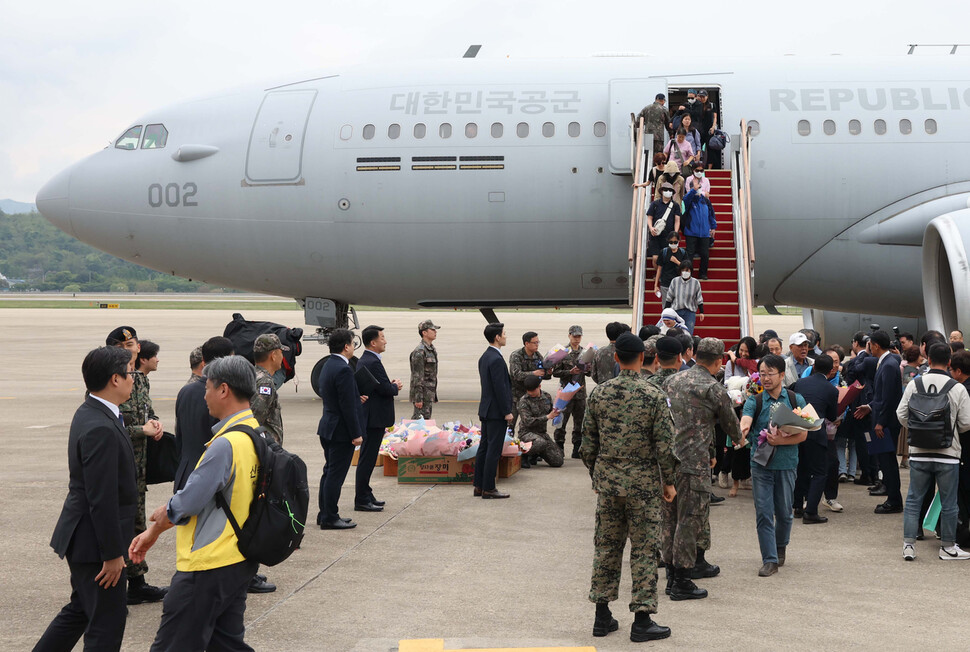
{"x": 685, "y": 295}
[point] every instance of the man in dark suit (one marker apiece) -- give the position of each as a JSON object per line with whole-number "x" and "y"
{"x": 822, "y": 395}
{"x": 97, "y": 521}
{"x": 887, "y": 391}
{"x": 495, "y": 411}
{"x": 339, "y": 428}
{"x": 378, "y": 414}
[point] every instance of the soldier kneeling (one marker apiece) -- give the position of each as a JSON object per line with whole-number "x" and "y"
{"x": 535, "y": 411}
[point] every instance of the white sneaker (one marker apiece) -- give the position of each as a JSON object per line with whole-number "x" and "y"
{"x": 723, "y": 480}
{"x": 909, "y": 552}
{"x": 954, "y": 553}
{"x": 834, "y": 505}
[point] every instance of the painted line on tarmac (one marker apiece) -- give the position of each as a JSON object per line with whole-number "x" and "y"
{"x": 335, "y": 561}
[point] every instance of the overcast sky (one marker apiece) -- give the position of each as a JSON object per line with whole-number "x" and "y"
{"x": 74, "y": 75}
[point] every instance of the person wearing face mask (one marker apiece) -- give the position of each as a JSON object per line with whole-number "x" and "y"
{"x": 700, "y": 225}
{"x": 685, "y": 297}
{"x": 698, "y": 180}
{"x": 672, "y": 176}
{"x": 663, "y": 218}
{"x": 679, "y": 151}
{"x": 692, "y": 136}
{"x": 668, "y": 265}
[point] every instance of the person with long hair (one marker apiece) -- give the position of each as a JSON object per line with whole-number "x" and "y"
{"x": 736, "y": 463}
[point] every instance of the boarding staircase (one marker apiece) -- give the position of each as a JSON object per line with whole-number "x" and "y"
{"x": 727, "y": 292}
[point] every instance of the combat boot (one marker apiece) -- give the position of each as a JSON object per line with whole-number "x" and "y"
{"x": 604, "y": 622}
{"x": 702, "y": 568}
{"x": 670, "y": 580}
{"x": 644, "y": 629}
{"x": 683, "y": 588}
{"x": 140, "y": 592}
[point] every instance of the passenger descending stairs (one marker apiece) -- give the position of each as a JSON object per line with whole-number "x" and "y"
{"x": 727, "y": 298}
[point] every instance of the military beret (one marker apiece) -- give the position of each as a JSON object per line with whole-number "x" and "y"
{"x": 426, "y": 324}
{"x": 532, "y": 382}
{"x": 710, "y": 346}
{"x": 628, "y": 343}
{"x": 669, "y": 346}
{"x": 120, "y": 335}
{"x": 575, "y": 329}
{"x": 650, "y": 346}
{"x": 268, "y": 342}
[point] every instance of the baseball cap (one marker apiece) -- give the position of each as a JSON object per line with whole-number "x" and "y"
{"x": 426, "y": 324}
{"x": 268, "y": 342}
{"x": 797, "y": 339}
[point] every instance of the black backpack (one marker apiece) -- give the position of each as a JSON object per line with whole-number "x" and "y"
{"x": 243, "y": 335}
{"x": 278, "y": 513}
{"x": 929, "y": 425}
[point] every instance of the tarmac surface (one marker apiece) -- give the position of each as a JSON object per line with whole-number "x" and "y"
{"x": 438, "y": 563}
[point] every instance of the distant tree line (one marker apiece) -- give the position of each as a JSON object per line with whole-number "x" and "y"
{"x": 47, "y": 259}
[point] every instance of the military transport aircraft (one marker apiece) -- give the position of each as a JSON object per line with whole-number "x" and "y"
{"x": 498, "y": 183}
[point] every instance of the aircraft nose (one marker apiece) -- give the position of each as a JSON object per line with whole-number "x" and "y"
{"x": 54, "y": 201}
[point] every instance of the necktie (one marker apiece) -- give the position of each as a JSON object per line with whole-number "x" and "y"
{"x": 121, "y": 418}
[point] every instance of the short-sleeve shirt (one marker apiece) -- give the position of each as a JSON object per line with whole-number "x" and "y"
{"x": 668, "y": 269}
{"x": 786, "y": 457}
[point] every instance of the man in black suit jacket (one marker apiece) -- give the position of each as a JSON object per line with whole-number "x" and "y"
{"x": 339, "y": 428}
{"x": 378, "y": 414}
{"x": 887, "y": 391}
{"x": 495, "y": 411}
{"x": 97, "y": 521}
{"x": 822, "y": 395}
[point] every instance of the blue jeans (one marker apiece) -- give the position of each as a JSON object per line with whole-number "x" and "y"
{"x": 840, "y": 445}
{"x": 772, "y": 492}
{"x": 921, "y": 476}
{"x": 689, "y": 318}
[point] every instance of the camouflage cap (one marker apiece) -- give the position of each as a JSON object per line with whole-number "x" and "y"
{"x": 268, "y": 342}
{"x": 650, "y": 346}
{"x": 710, "y": 346}
{"x": 426, "y": 324}
{"x": 120, "y": 335}
{"x": 575, "y": 329}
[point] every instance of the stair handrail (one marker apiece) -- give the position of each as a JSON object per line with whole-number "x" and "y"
{"x": 741, "y": 202}
{"x": 636, "y": 251}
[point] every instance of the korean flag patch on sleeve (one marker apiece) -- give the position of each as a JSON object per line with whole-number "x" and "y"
{"x": 266, "y": 390}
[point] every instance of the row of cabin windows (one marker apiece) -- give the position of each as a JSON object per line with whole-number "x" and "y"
{"x": 497, "y": 130}
{"x": 879, "y": 127}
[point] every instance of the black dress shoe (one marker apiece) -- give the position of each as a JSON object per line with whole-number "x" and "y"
{"x": 879, "y": 491}
{"x": 339, "y": 524}
{"x": 888, "y": 508}
{"x": 494, "y": 493}
{"x": 798, "y": 512}
{"x": 368, "y": 507}
{"x": 379, "y": 503}
{"x": 717, "y": 499}
{"x": 808, "y": 519}
{"x": 257, "y": 585}
{"x": 477, "y": 492}
{"x": 769, "y": 569}
{"x": 260, "y": 577}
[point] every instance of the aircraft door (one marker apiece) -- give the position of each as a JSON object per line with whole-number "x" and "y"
{"x": 628, "y": 96}
{"x": 276, "y": 143}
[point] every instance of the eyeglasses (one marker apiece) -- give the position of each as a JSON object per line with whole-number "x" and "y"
{"x": 773, "y": 374}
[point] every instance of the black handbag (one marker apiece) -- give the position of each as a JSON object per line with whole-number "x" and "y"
{"x": 162, "y": 459}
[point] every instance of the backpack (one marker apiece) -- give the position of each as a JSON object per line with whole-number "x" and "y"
{"x": 278, "y": 513}
{"x": 929, "y": 417}
{"x": 243, "y": 335}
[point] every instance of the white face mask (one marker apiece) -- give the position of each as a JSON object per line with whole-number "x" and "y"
{"x": 685, "y": 276}
{"x": 674, "y": 245}
{"x": 690, "y": 100}
{"x": 667, "y": 194}
{"x": 699, "y": 174}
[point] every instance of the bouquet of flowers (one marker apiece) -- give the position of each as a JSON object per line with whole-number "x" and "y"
{"x": 563, "y": 397}
{"x": 795, "y": 421}
{"x": 555, "y": 356}
{"x": 586, "y": 358}
{"x": 754, "y": 385}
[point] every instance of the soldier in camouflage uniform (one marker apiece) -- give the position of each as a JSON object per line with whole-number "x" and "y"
{"x": 568, "y": 371}
{"x": 141, "y": 423}
{"x": 697, "y": 401}
{"x": 265, "y": 403}
{"x": 523, "y": 364}
{"x": 536, "y": 410}
{"x": 655, "y": 122}
{"x": 650, "y": 364}
{"x": 604, "y": 366}
{"x": 626, "y": 439}
{"x": 196, "y": 364}
{"x": 424, "y": 371}
{"x": 668, "y": 355}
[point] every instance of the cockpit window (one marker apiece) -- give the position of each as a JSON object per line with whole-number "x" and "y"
{"x": 129, "y": 140}
{"x": 155, "y": 137}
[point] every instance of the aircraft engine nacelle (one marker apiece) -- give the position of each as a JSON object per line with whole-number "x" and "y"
{"x": 946, "y": 271}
